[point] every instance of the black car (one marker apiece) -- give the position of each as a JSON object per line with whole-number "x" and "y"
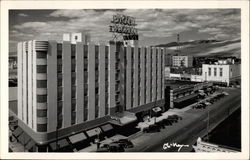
{"x": 113, "y": 147}
{"x": 177, "y": 117}
{"x": 125, "y": 143}
{"x": 172, "y": 119}
{"x": 103, "y": 148}
{"x": 152, "y": 128}
{"x": 166, "y": 122}
{"x": 160, "y": 124}
{"x": 116, "y": 147}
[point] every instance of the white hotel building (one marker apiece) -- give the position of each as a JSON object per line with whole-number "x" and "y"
{"x": 73, "y": 87}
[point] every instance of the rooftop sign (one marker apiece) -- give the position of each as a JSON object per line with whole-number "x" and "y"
{"x": 124, "y": 25}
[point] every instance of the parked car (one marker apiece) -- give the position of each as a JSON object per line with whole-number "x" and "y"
{"x": 116, "y": 147}
{"x": 125, "y": 143}
{"x": 177, "y": 117}
{"x": 208, "y": 103}
{"x": 151, "y": 128}
{"x": 160, "y": 124}
{"x": 225, "y": 93}
{"x": 103, "y": 148}
{"x": 112, "y": 147}
{"x": 199, "y": 106}
{"x": 166, "y": 122}
{"x": 172, "y": 118}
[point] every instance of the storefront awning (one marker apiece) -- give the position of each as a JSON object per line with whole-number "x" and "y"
{"x": 107, "y": 127}
{"x": 185, "y": 98}
{"x": 77, "y": 138}
{"x": 93, "y": 132}
{"x": 61, "y": 144}
{"x": 17, "y": 132}
{"x": 156, "y": 109}
{"x": 30, "y": 144}
{"x": 24, "y": 138}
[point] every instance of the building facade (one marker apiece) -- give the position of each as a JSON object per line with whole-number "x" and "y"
{"x": 221, "y": 72}
{"x": 64, "y": 88}
{"x": 182, "y": 61}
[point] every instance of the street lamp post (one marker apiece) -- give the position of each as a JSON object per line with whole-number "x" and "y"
{"x": 208, "y": 125}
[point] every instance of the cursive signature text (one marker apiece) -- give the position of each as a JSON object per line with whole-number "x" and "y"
{"x": 169, "y": 145}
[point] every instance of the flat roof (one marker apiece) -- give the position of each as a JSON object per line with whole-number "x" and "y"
{"x": 177, "y": 83}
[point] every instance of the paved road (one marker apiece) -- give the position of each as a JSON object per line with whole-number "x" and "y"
{"x": 193, "y": 125}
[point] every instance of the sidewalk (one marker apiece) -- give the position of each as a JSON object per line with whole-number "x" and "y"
{"x": 179, "y": 112}
{"x": 93, "y": 147}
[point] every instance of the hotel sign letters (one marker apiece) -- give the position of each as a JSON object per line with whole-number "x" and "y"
{"x": 124, "y": 25}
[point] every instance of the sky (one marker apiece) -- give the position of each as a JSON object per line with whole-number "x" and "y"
{"x": 155, "y": 26}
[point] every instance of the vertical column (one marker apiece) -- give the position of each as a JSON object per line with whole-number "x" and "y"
{"x": 52, "y": 86}
{"x": 66, "y": 66}
{"x": 142, "y": 77}
{"x": 122, "y": 87}
{"x": 148, "y": 90}
{"x": 112, "y": 61}
{"x": 162, "y": 72}
{"x": 159, "y": 74}
{"x": 79, "y": 82}
{"x": 154, "y": 75}
{"x": 24, "y": 83}
{"x": 128, "y": 78}
{"x": 29, "y": 76}
{"x": 20, "y": 80}
{"x": 135, "y": 104}
{"x": 34, "y": 89}
{"x": 102, "y": 80}
{"x": 91, "y": 82}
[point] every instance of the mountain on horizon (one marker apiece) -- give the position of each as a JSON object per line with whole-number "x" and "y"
{"x": 206, "y": 47}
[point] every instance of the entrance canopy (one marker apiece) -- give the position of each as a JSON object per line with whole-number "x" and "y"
{"x": 157, "y": 109}
{"x": 77, "y": 138}
{"x": 94, "y": 132}
{"x": 107, "y": 127}
{"x": 61, "y": 144}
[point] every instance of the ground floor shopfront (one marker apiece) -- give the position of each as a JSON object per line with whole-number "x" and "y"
{"x": 77, "y": 137}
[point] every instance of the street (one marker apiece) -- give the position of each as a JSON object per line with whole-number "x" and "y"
{"x": 193, "y": 125}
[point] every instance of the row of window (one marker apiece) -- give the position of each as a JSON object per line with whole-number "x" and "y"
{"x": 215, "y": 72}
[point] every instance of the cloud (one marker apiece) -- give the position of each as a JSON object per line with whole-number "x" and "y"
{"x": 151, "y": 23}
{"x": 22, "y": 15}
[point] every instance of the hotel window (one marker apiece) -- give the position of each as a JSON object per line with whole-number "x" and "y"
{"x": 41, "y": 83}
{"x": 209, "y": 71}
{"x": 73, "y": 51}
{"x": 96, "y": 106}
{"x": 85, "y": 52}
{"x": 215, "y": 71}
{"x": 41, "y": 98}
{"x": 59, "y": 121}
{"x": 41, "y": 69}
{"x": 42, "y": 127}
{"x": 41, "y": 55}
{"x": 221, "y": 72}
{"x": 41, "y": 112}
{"x": 85, "y": 117}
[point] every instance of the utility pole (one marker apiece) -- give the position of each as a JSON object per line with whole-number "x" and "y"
{"x": 208, "y": 125}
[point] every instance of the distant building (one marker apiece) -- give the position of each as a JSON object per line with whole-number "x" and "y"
{"x": 222, "y": 71}
{"x": 168, "y": 60}
{"x": 182, "y": 61}
{"x": 68, "y": 92}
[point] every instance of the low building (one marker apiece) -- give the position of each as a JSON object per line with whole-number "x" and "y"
{"x": 182, "y": 61}
{"x": 179, "y": 94}
{"x": 222, "y": 72}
